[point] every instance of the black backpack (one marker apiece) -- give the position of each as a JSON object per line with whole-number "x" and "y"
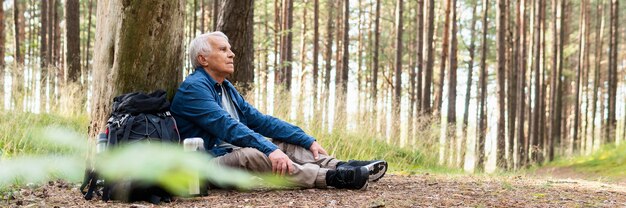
{"x": 136, "y": 117}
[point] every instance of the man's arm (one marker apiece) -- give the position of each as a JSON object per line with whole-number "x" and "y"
{"x": 272, "y": 127}
{"x": 199, "y": 107}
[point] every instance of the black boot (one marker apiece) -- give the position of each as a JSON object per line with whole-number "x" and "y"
{"x": 376, "y": 168}
{"x": 348, "y": 178}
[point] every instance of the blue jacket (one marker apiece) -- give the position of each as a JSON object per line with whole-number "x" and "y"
{"x": 198, "y": 111}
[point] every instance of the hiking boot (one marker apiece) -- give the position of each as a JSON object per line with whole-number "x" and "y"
{"x": 376, "y": 168}
{"x": 348, "y": 178}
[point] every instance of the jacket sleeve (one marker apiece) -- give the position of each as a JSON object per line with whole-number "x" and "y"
{"x": 199, "y": 107}
{"x": 272, "y": 127}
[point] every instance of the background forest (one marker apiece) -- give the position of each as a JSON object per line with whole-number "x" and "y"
{"x": 477, "y": 85}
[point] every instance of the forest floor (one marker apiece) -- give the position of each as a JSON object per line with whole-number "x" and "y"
{"x": 421, "y": 190}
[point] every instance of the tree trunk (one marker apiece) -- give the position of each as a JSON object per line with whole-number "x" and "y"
{"x": 452, "y": 80}
{"x": 521, "y": 81}
{"x": 581, "y": 52}
{"x": 375, "y": 56}
{"x": 2, "y": 48}
{"x": 72, "y": 40}
{"x": 19, "y": 57}
{"x": 420, "y": 54}
{"x": 612, "y": 71}
{"x": 397, "y": 96}
{"x": 85, "y": 71}
{"x": 345, "y": 53}
{"x": 482, "y": 111}
{"x": 316, "y": 49}
{"x": 444, "y": 58}
{"x": 468, "y": 89}
{"x": 428, "y": 78}
{"x": 599, "y": 41}
{"x": 124, "y": 59}
{"x": 512, "y": 65}
{"x": 216, "y": 11}
{"x": 235, "y": 20}
{"x": 328, "y": 57}
{"x": 501, "y": 70}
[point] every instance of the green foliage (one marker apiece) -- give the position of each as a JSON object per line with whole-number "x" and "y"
{"x": 19, "y": 130}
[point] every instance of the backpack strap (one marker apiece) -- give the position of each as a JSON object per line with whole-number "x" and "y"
{"x": 127, "y": 128}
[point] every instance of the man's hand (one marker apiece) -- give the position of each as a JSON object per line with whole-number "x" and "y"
{"x": 317, "y": 149}
{"x": 281, "y": 164}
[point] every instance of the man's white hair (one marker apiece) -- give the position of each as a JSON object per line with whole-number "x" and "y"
{"x": 200, "y": 46}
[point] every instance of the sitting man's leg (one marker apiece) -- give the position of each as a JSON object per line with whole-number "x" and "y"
{"x": 305, "y": 175}
{"x": 300, "y": 155}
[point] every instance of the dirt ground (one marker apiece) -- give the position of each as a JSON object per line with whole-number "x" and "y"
{"x": 424, "y": 190}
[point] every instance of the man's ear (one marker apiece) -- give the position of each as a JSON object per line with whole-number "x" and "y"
{"x": 201, "y": 60}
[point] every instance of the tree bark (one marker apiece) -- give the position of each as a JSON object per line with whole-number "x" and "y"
{"x": 501, "y": 70}
{"x": 235, "y": 20}
{"x": 316, "y": 49}
{"x": 127, "y": 34}
{"x": 420, "y": 54}
{"x": 397, "y": 96}
{"x": 428, "y": 78}
{"x": 72, "y": 40}
{"x": 452, "y": 81}
{"x": 468, "y": 90}
{"x": 581, "y": 52}
{"x": 19, "y": 56}
{"x": 2, "y": 47}
{"x": 612, "y": 71}
{"x": 444, "y": 57}
{"x": 375, "y": 56}
{"x": 599, "y": 41}
{"x": 482, "y": 111}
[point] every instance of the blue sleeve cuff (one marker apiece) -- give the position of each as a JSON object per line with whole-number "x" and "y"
{"x": 308, "y": 142}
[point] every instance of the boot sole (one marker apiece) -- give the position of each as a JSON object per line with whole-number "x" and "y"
{"x": 376, "y": 170}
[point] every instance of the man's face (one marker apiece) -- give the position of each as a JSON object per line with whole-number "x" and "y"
{"x": 220, "y": 59}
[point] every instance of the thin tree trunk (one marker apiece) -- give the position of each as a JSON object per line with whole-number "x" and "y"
{"x": 19, "y": 57}
{"x": 452, "y": 81}
{"x": 581, "y": 52}
{"x": 420, "y": 54}
{"x": 2, "y": 48}
{"x": 597, "y": 59}
{"x": 328, "y": 57}
{"x": 303, "y": 72}
{"x": 512, "y": 65}
{"x": 316, "y": 49}
{"x": 428, "y": 78}
{"x": 444, "y": 57}
{"x": 482, "y": 111}
{"x": 468, "y": 89}
{"x": 397, "y": 96}
{"x": 501, "y": 70}
{"x": 375, "y": 56}
{"x": 216, "y": 11}
{"x": 612, "y": 71}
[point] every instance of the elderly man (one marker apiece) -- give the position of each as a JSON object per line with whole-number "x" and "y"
{"x": 207, "y": 105}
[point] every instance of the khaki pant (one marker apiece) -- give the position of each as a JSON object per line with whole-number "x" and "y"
{"x": 309, "y": 172}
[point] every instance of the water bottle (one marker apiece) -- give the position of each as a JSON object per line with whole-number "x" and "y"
{"x": 192, "y": 145}
{"x": 102, "y": 143}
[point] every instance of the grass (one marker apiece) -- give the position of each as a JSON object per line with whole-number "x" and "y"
{"x": 18, "y": 131}
{"x": 609, "y": 161}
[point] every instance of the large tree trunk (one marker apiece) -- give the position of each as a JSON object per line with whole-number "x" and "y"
{"x": 72, "y": 40}
{"x": 500, "y": 71}
{"x": 482, "y": 110}
{"x": 428, "y": 77}
{"x": 138, "y": 48}
{"x": 286, "y": 56}
{"x": 235, "y": 20}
